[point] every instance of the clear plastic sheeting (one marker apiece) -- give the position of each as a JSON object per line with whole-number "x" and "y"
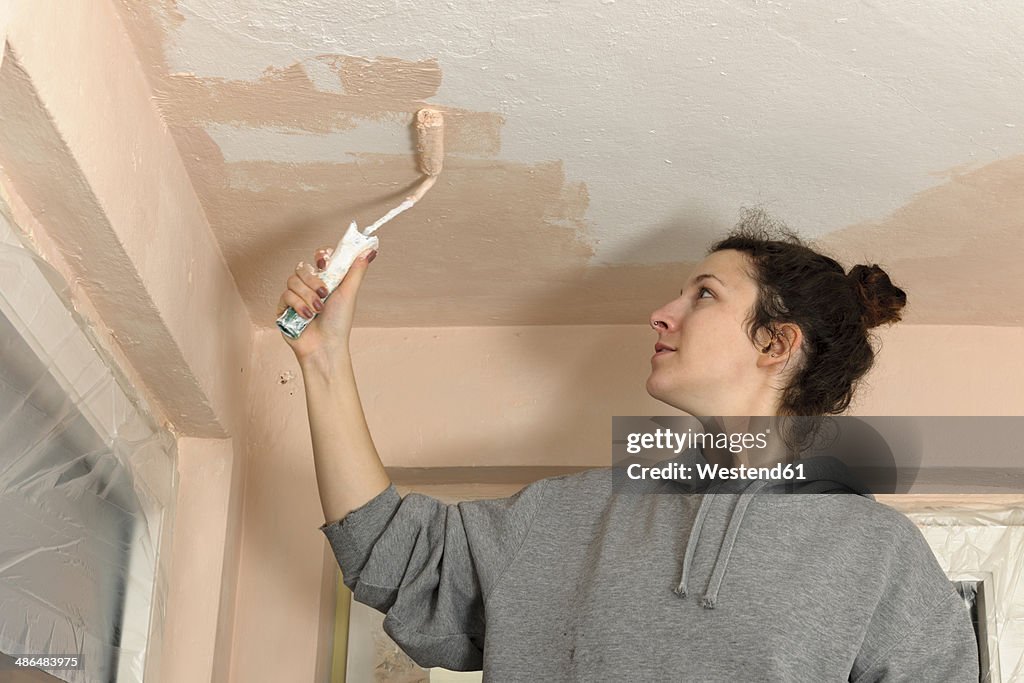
{"x": 86, "y": 479}
{"x": 982, "y": 543}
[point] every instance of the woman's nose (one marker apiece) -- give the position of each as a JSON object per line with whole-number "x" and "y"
{"x": 662, "y": 319}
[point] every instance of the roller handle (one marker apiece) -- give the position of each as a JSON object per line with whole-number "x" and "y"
{"x": 352, "y": 244}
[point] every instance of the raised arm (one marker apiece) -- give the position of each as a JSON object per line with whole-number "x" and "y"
{"x": 348, "y": 470}
{"x": 429, "y": 566}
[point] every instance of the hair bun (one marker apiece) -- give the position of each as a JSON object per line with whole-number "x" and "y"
{"x": 881, "y": 301}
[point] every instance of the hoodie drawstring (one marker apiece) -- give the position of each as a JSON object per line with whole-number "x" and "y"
{"x": 691, "y": 546}
{"x": 724, "y": 552}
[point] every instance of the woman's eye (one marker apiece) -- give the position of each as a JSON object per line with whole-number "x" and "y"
{"x": 705, "y": 289}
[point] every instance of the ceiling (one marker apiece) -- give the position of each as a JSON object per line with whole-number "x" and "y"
{"x": 594, "y": 149}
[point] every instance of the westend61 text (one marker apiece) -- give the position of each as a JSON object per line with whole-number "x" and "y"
{"x": 706, "y": 471}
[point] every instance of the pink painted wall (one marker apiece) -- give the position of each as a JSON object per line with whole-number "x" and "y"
{"x": 508, "y": 396}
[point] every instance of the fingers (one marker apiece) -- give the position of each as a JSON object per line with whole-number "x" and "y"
{"x": 307, "y": 274}
{"x": 290, "y": 298}
{"x": 307, "y": 290}
{"x": 350, "y": 285}
{"x": 321, "y": 256}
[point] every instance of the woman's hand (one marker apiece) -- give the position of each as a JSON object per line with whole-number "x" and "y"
{"x": 328, "y": 334}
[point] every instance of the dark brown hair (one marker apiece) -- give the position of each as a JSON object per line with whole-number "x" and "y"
{"x": 833, "y": 309}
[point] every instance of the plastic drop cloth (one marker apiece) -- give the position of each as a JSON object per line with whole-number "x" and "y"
{"x": 985, "y": 543}
{"x": 86, "y": 479}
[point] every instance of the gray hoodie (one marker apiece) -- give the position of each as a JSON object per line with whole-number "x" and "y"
{"x": 568, "y": 580}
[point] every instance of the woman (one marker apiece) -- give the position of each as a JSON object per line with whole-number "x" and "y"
{"x": 570, "y": 580}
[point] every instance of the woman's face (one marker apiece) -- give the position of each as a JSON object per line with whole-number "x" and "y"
{"x": 715, "y": 369}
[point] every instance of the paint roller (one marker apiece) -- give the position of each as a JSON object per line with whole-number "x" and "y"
{"x": 430, "y": 150}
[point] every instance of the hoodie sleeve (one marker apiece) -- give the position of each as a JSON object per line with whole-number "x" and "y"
{"x": 942, "y": 648}
{"x": 429, "y": 566}
{"x": 921, "y": 629}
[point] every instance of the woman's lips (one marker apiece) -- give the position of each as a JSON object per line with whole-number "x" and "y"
{"x": 663, "y": 352}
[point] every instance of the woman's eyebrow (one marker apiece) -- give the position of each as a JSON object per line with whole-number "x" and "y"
{"x": 705, "y": 276}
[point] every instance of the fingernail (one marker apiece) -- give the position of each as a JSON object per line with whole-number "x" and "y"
{"x": 306, "y": 313}
{"x": 322, "y": 291}
{"x": 373, "y": 255}
{"x": 320, "y": 263}
{"x": 317, "y": 305}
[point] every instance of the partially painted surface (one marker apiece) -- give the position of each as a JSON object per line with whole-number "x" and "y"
{"x": 594, "y": 149}
{"x": 558, "y": 205}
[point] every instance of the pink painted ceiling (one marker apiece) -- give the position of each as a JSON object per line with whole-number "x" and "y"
{"x": 594, "y": 150}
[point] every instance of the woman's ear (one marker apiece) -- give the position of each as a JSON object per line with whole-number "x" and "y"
{"x": 788, "y": 340}
{"x": 785, "y": 339}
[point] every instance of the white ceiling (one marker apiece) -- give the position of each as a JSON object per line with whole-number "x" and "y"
{"x": 596, "y": 148}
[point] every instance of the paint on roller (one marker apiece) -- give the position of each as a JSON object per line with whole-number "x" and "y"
{"x": 430, "y": 140}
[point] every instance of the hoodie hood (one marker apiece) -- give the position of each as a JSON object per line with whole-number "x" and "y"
{"x": 822, "y": 474}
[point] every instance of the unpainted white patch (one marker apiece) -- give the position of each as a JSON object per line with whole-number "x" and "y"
{"x": 390, "y": 135}
{"x": 323, "y": 77}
